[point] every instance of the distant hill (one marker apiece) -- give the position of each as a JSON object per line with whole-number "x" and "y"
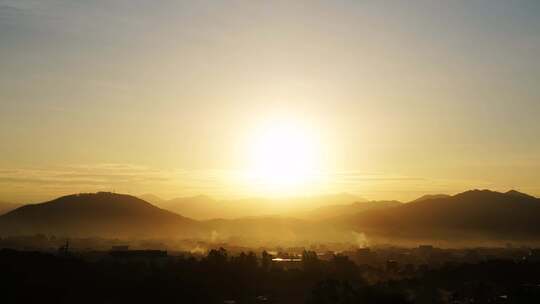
{"x": 198, "y": 207}
{"x": 430, "y": 197}
{"x": 520, "y": 194}
{"x": 152, "y": 199}
{"x": 202, "y": 207}
{"x": 327, "y": 212}
{"x": 476, "y": 213}
{"x": 6, "y": 207}
{"x": 97, "y": 214}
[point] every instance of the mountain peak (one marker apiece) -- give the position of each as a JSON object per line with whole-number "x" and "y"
{"x": 476, "y": 213}
{"x": 486, "y": 194}
{"x": 430, "y": 197}
{"x": 90, "y": 214}
{"x": 109, "y": 198}
{"x": 519, "y": 194}
{"x": 477, "y": 193}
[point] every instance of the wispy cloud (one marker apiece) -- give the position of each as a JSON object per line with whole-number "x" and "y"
{"x": 35, "y": 184}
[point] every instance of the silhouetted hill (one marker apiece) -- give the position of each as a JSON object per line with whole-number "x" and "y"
{"x": 431, "y": 196}
{"x": 96, "y": 214}
{"x": 6, "y": 207}
{"x": 476, "y": 213}
{"x": 520, "y": 194}
{"x": 332, "y": 211}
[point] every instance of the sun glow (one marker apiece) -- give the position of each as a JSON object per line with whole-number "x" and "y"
{"x": 284, "y": 157}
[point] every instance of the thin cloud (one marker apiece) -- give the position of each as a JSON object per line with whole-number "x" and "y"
{"x": 48, "y": 182}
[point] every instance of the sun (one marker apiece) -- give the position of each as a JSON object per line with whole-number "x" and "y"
{"x": 284, "y": 156}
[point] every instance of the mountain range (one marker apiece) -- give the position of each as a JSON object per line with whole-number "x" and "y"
{"x": 202, "y": 207}
{"x": 481, "y": 214}
{"x": 473, "y": 214}
{"x": 333, "y": 211}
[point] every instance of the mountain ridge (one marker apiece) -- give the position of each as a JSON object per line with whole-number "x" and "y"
{"x": 475, "y": 212}
{"x": 202, "y": 207}
{"x": 96, "y": 214}
{"x": 5, "y": 207}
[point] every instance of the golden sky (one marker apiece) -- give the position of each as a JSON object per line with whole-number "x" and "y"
{"x": 384, "y": 99}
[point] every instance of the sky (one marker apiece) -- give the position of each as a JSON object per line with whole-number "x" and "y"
{"x": 403, "y": 98}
